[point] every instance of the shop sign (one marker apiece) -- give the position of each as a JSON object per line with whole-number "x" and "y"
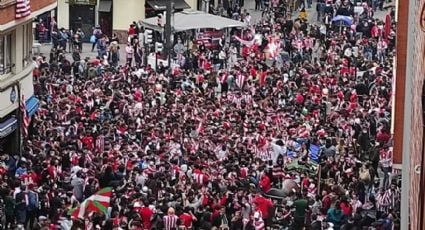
{"x": 13, "y": 95}
{"x": 82, "y": 2}
{"x": 5, "y": 132}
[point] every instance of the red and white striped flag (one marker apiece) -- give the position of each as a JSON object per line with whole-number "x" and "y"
{"x": 100, "y": 144}
{"x": 247, "y": 99}
{"x": 25, "y": 118}
{"x": 240, "y": 80}
{"x": 23, "y": 8}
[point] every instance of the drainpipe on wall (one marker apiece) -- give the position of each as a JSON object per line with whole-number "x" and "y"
{"x": 19, "y": 119}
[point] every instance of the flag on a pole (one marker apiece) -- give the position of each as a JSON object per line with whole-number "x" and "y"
{"x": 23, "y": 9}
{"x": 387, "y": 28}
{"x": 25, "y": 118}
{"x": 99, "y": 202}
{"x": 240, "y": 80}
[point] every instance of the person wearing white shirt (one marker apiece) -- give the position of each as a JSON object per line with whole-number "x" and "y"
{"x": 278, "y": 149}
{"x": 222, "y": 58}
{"x": 247, "y": 19}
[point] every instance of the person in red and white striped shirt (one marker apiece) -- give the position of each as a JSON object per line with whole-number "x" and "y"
{"x": 200, "y": 177}
{"x": 170, "y": 220}
{"x": 258, "y": 222}
{"x": 382, "y": 201}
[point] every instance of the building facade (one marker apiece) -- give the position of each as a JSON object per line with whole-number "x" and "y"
{"x": 113, "y": 16}
{"x": 411, "y": 117}
{"x": 16, "y": 80}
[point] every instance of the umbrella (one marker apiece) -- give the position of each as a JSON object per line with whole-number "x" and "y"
{"x": 288, "y": 186}
{"x": 275, "y": 193}
{"x": 341, "y": 20}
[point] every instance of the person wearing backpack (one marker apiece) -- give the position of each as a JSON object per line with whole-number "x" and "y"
{"x": 63, "y": 38}
{"x": 32, "y": 207}
{"x": 97, "y": 34}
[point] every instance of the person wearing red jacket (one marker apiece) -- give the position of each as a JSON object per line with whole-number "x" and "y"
{"x": 131, "y": 30}
{"x": 200, "y": 177}
{"x": 88, "y": 142}
{"x": 187, "y": 218}
{"x": 265, "y": 183}
{"x": 346, "y": 208}
{"x": 146, "y": 213}
{"x": 264, "y": 206}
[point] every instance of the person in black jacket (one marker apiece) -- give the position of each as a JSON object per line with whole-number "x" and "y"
{"x": 21, "y": 206}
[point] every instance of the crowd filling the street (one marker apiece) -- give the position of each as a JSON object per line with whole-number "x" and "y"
{"x": 282, "y": 124}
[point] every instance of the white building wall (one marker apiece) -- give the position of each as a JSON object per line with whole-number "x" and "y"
{"x": 20, "y": 73}
{"x": 127, "y": 11}
{"x": 63, "y": 14}
{"x": 192, "y": 3}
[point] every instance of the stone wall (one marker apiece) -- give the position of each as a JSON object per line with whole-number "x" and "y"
{"x": 122, "y": 36}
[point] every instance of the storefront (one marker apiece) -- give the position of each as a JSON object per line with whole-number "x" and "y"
{"x": 44, "y": 25}
{"x": 105, "y": 16}
{"x": 155, "y": 7}
{"x": 82, "y": 14}
{"x": 8, "y": 134}
{"x": 9, "y": 123}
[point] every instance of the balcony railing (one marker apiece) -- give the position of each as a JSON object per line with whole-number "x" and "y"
{"x": 6, "y": 3}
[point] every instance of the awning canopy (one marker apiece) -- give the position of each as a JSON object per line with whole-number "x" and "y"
{"x": 105, "y": 6}
{"x": 7, "y": 127}
{"x": 162, "y": 4}
{"x": 193, "y": 19}
{"x": 32, "y": 105}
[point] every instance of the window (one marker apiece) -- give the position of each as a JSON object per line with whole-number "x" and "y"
{"x": 5, "y": 53}
{"x": 27, "y": 44}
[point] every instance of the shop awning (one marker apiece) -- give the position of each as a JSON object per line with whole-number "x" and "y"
{"x": 162, "y": 4}
{"x": 105, "y": 6}
{"x": 32, "y": 105}
{"x": 193, "y": 19}
{"x": 8, "y": 126}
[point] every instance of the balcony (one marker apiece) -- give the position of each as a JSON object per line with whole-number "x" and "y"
{"x": 6, "y": 3}
{"x": 8, "y": 11}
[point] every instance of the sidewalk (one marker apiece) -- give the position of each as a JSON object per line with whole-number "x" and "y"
{"x": 46, "y": 47}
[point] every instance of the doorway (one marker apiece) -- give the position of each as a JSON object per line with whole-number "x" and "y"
{"x": 82, "y": 16}
{"x": 105, "y": 16}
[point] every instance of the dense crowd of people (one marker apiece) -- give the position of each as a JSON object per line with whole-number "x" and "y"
{"x": 289, "y": 131}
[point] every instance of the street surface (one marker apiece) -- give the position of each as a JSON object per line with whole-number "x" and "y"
{"x": 249, "y": 5}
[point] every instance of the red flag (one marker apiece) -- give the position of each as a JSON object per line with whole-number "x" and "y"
{"x": 387, "y": 25}
{"x": 263, "y": 77}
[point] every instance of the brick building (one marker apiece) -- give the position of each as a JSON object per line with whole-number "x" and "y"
{"x": 410, "y": 112}
{"x": 16, "y": 42}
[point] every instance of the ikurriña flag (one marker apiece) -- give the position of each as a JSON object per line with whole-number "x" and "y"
{"x": 98, "y": 202}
